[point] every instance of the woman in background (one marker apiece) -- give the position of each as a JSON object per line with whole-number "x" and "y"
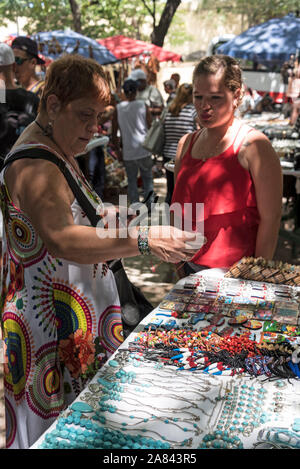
{"x": 180, "y": 120}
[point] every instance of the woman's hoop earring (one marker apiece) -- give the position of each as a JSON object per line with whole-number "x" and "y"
{"x": 48, "y": 130}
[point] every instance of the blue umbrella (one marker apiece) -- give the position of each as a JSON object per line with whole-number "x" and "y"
{"x": 271, "y": 42}
{"x": 53, "y": 44}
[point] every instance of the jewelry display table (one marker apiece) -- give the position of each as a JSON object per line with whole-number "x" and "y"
{"x": 196, "y": 373}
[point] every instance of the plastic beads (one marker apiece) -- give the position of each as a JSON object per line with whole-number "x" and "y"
{"x": 90, "y": 435}
{"x": 220, "y": 440}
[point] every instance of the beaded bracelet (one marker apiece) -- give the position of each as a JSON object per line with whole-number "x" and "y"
{"x": 143, "y": 244}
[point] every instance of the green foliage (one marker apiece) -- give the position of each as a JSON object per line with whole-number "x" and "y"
{"x": 40, "y": 16}
{"x": 254, "y": 11}
{"x": 177, "y": 34}
{"x": 99, "y": 18}
{"x": 112, "y": 17}
{"x": 10, "y": 10}
{"x": 104, "y": 18}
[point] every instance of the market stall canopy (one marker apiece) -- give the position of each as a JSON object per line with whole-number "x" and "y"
{"x": 125, "y": 47}
{"x": 9, "y": 39}
{"x": 55, "y": 43}
{"x": 273, "y": 41}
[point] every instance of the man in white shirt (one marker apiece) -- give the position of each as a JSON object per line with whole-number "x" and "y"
{"x": 147, "y": 93}
{"x": 132, "y": 117}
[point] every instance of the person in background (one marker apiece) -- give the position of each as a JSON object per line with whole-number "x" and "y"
{"x": 265, "y": 104}
{"x": 287, "y": 69}
{"x": 27, "y": 58}
{"x": 147, "y": 93}
{"x": 179, "y": 120}
{"x": 96, "y": 159}
{"x": 295, "y": 94}
{"x": 170, "y": 89}
{"x": 249, "y": 102}
{"x": 229, "y": 167}
{"x": 60, "y": 307}
{"x": 133, "y": 118}
{"x": 18, "y": 107}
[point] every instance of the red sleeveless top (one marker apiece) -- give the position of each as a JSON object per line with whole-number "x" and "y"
{"x": 229, "y": 216}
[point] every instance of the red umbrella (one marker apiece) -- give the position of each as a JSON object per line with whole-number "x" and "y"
{"x": 9, "y": 39}
{"x": 125, "y": 47}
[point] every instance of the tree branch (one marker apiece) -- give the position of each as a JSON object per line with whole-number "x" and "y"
{"x": 75, "y": 9}
{"x": 151, "y": 12}
{"x": 160, "y": 31}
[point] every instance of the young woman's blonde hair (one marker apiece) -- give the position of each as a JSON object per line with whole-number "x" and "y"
{"x": 184, "y": 96}
{"x": 73, "y": 77}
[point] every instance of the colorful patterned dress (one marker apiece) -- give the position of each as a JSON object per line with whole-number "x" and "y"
{"x": 61, "y": 321}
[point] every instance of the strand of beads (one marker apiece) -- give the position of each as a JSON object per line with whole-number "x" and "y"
{"x": 220, "y": 440}
{"x": 109, "y": 408}
{"x": 112, "y": 390}
{"x": 167, "y": 374}
{"x": 243, "y": 410}
{"x": 110, "y": 394}
{"x": 131, "y": 377}
{"x": 78, "y": 432}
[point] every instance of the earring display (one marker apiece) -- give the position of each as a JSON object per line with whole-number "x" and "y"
{"x": 214, "y": 366}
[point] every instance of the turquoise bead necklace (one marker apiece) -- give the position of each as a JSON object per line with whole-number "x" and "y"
{"x": 132, "y": 377}
{"x": 242, "y": 410}
{"x": 246, "y": 407}
{"x": 110, "y": 387}
{"x": 220, "y": 440}
{"x": 89, "y": 435}
{"x": 112, "y": 391}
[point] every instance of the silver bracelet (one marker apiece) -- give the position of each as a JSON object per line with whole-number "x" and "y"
{"x": 143, "y": 244}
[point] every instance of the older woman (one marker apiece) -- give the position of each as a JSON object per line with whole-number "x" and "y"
{"x": 229, "y": 167}
{"x": 59, "y": 302}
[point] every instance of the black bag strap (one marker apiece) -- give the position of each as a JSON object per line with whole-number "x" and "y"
{"x": 87, "y": 207}
{"x": 40, "y": 153}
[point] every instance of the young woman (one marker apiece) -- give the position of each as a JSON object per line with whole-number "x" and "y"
{"x": 229, "y": 167}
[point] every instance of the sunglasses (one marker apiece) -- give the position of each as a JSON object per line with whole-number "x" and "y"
{"x": 20, "y": 60}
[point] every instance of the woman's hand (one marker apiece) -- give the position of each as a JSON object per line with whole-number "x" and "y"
{"x": 173, "y": 245}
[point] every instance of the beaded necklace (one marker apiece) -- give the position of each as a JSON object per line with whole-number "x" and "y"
{"x": 149, "y": 418}
{"x": 76, "y": 431}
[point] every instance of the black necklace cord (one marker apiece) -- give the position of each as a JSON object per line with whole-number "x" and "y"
{"x": 48, "y": 134}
